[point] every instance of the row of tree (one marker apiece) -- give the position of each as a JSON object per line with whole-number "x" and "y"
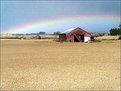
{"x": 56, "y": 33}
{"x": 115, "y": 31}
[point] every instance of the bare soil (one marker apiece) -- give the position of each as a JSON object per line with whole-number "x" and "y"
{"x": 42, "y": 65}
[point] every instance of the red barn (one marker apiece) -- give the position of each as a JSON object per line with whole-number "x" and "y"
{"x": 75, "y": 35}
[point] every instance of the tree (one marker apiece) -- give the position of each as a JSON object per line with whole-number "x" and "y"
{"x": 56, "y": 33}
{"x": 115, "y": 31}
{"x": 120, "y": 26}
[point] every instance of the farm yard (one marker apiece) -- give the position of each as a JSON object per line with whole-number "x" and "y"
{"x": 50, "y": 65}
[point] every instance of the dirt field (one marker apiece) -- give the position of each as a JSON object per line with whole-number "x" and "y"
{"x": 39, "y": 65}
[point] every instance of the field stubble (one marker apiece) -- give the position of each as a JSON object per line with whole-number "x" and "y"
{"x": 39, "y": 65}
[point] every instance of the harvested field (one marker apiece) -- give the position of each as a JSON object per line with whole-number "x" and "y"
{"x": 42, "y": 65}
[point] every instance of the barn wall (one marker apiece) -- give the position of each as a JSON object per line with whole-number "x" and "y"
{"x": 70, "y": 39}
{"x": 62, "y": 37}
{"x": 86, "y": 39}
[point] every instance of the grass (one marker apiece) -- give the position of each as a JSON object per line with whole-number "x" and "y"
{"x": 107, "y": 38}
{"x": 10, "y": 37}
{"x": 30, "y": 37}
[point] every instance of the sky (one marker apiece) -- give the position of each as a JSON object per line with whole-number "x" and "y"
{"x": 48, "y": 16}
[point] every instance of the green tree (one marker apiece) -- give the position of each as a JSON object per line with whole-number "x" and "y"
{"x": 115, "y": 31}
{"x": 120, "y": 26}
{"x": 56, "y": 33}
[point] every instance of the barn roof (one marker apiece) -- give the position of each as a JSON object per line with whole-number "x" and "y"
{"x": 77, "y": 31}
{"x": 68, "y": 30}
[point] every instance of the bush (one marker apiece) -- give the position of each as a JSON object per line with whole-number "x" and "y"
{"x": 96, "y": 40}
{"x": 119, "y": 38}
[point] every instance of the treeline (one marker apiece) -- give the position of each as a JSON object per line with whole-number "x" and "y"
{"x": 56, "y": 33}
{"x": 115, "y": 31}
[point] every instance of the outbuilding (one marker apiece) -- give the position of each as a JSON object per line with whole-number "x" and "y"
{"x": 75, "y": 35}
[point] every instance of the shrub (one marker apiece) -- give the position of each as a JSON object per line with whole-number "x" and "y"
{"x": 96, "y": 40}
{"x": 119, "y": 38}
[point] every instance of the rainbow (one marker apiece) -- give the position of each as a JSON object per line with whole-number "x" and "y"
{"x": 63, "y": 20}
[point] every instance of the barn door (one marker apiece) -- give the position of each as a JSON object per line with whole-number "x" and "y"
{"x": 77, "y": 38}
{"x": 82, "y": 38}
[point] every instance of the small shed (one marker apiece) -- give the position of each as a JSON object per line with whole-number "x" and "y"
{"x": 75, "y": 35}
